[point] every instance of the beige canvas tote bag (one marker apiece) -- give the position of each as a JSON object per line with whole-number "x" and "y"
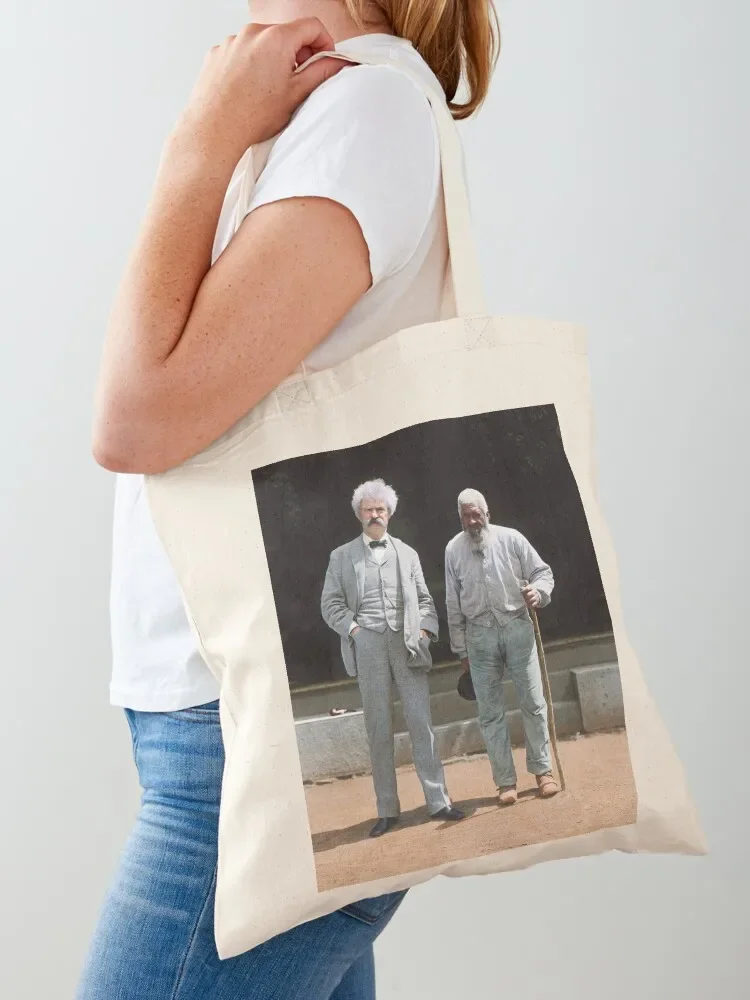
{"x": 279, "y": 864}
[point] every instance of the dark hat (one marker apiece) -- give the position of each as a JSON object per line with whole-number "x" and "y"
{"x": 465, "y": 687}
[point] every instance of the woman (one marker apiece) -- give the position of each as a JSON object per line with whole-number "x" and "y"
{"x": 343, "y": 243}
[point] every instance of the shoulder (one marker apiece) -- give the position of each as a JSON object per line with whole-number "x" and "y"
{"x": 511, "y": 536}
{"x": 403, "y": 549}
{"x": 376, "y": 110}
{"x": 501, "y": 531}
{"x": 382, "y": 96}
{"x": 367, "y": 139}
{"x": 338, "y": 553}
{"x": 453, "y": 543}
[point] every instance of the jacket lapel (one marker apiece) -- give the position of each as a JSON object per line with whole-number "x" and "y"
{"x": 357, "y": 553}
{"x": 408, "y": 593}
{"x": 403, "y": 569}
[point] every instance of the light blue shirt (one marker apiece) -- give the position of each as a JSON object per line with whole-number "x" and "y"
{"x": 486, "y": 588}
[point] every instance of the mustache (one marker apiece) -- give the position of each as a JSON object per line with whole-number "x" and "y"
{"x": 376, "y": 520}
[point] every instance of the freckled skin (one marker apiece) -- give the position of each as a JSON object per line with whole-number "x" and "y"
{"x": 191, "y": 348}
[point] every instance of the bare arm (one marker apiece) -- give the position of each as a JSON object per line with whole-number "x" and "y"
{"x": 191, "y": 348}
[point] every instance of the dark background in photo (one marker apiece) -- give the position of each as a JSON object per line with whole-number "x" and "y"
{"x": 514, "y": 457}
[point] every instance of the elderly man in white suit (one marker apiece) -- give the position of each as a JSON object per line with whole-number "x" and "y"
{"x": 376, "y": 599}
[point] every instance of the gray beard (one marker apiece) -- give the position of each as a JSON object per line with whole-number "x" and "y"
{"x": 479, "y": 543}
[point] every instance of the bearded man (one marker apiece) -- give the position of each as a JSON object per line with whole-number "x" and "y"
{"x": 375, "y": 597}
{"x": 492, "y": 577}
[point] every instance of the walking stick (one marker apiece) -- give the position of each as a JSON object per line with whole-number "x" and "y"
{"x": 548, "y": 696}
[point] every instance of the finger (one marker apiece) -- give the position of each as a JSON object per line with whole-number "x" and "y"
{"x": 312, "y": 77}
{"x": 309, "y": 32}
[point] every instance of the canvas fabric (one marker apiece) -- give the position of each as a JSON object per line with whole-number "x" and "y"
{"x": 207, "y": 518}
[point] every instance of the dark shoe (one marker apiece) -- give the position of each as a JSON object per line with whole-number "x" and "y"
{"x": 450, "y": 813}
{"x": 383, "y": 825}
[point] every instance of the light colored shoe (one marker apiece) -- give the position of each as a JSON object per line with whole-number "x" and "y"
{"x": 508, "y": 795}
{"x": 547, "y": 785}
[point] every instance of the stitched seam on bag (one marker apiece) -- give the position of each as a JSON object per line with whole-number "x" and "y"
{"x": 478, "y": 327}
{"x": 370, "y": 376}
{"x": 293, "y": 394}
{"x": 193, "y": 935}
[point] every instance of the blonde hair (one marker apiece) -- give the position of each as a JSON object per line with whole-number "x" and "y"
{"x": 458, "y": 39}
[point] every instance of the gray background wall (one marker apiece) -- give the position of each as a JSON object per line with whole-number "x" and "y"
{"x": 609, "y": 174}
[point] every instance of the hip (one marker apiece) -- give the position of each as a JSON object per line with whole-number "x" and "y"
{"x": 155, "y": 934}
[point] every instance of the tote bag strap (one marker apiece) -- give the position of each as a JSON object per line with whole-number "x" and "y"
{"x": 465, "y": 274}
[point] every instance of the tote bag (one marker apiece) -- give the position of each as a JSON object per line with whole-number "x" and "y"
{"x": 488, "y": 402}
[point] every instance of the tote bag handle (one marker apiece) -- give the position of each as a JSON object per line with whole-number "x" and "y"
{"x": 464, "y": 265}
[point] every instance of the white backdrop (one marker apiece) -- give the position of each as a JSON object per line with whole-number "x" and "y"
{"x": 609, "y": 181}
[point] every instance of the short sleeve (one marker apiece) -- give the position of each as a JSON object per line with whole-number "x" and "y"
{"x": 365, "y": 139}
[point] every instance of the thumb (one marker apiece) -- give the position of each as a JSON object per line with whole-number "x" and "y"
{"x": 311, "y": 77}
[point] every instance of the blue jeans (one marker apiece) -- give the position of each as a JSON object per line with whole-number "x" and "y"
{"x": 492, "y": 650}
{"x": 155, "y": 936}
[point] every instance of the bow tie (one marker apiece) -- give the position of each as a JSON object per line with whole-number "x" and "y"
{"x": 377, "y": 545}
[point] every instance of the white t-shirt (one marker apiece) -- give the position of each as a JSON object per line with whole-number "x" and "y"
{"x": 366, "y": 139}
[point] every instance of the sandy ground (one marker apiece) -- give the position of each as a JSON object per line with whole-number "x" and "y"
{"x": 600, "y": 793}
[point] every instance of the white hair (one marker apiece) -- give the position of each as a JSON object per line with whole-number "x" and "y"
{"x": 374, "y": 489}
{"x": 471, "y": 498}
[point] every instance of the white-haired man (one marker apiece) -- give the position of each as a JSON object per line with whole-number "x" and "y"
{"x": 492, "y": 577}
{"x": 376, "y": 599}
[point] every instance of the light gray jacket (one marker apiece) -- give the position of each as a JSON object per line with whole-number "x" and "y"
{"x": 344, "y": 589}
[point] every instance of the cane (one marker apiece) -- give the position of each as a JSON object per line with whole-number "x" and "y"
{"x": 547, "y": 693}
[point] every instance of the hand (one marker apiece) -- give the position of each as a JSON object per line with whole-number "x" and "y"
{"x": 355, "y": 630}
{"x": 247, "y": 89}
{"x": 532, "y": 596}
{"x": 465, "y": 664}
{"x": 423, "y": 634}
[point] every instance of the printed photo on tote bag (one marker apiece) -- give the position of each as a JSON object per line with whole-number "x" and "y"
{"x": 382, "y": 585}
{"x": 398, "y": 570}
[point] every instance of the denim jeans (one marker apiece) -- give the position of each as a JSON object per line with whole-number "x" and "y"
{"x": 155, "y": 939}
{"x": 492, "y": 650}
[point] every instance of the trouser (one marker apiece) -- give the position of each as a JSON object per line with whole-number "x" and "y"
{"x": 492, "y": 651}
{"x": 382, "y": 659}
{"x": 155, "y": 936}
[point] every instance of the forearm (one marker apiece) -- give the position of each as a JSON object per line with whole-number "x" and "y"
{"x": 428, "y": 619}
{"x": 542, "y": 581}
{"x": 456, "y": 619}
{"x": 336, "y": 613}
{"x": 457, "y": 633}
{"x": 231, "y": 333}
{"x": 170, "y": 259}
{"x": 340, "y": 619}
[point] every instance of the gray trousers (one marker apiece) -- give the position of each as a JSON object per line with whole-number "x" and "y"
{"x": 381, "y": 660}
{"x": 492, "y": 651}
